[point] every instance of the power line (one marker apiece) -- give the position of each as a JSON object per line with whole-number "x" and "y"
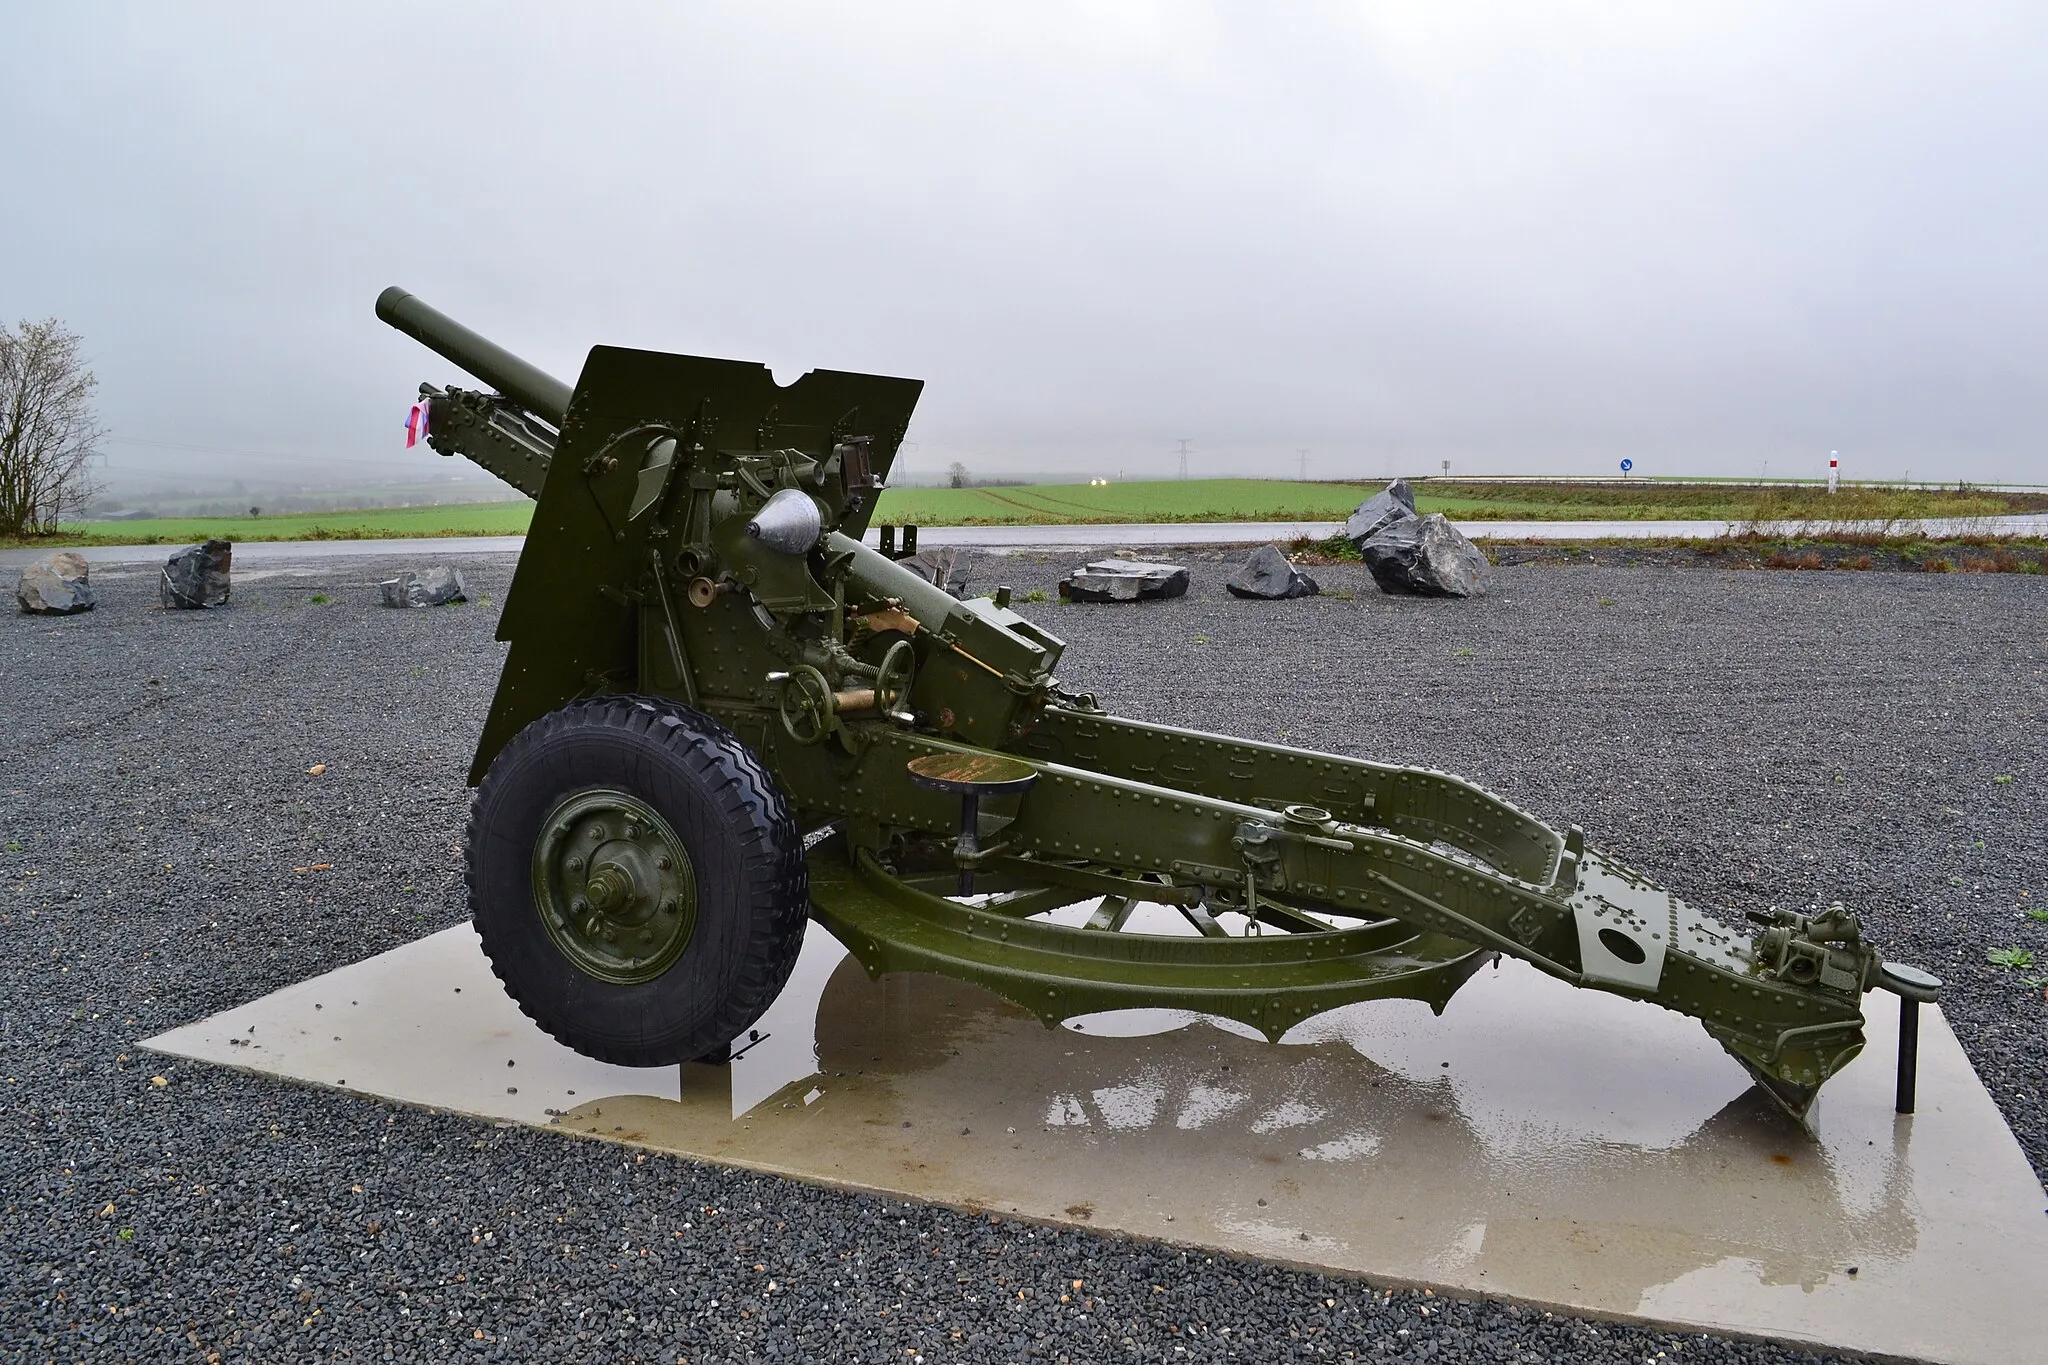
{"x": 1301, "y": 457}
{"x": 203, "y": 450}
{"x": 1185, "y": 442}
{"x": 299, "y": 460}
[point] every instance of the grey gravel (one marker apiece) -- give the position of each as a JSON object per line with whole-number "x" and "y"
{"x": 1753, "y": 738}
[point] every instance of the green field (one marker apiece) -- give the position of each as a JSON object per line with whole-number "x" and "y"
{"x": 1680, "y": 501}
{"x": 377, "y": 523}
{"x": 1187, "y": 500}
{"x": 1171, "y": 500}
{"x": 1277, "y": 500}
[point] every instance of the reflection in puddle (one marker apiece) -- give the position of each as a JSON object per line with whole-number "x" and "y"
{"x": 1126, "y": 1107}
{"x": 787, "y": 1050}
{"x": 1350, "y": 1147}
{"x": 1525, "y": 1101}
{"x": 1204, "y": 1104}
{"x": 1143, "y": 1023}
{"x": 1288, "y": 1114}
{"x": 1065, "y": 1111}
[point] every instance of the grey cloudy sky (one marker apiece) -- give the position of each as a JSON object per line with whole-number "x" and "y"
{"x": 1519, "y": 237}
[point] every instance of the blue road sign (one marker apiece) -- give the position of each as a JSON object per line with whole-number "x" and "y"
{"x": 1627, "y": 465}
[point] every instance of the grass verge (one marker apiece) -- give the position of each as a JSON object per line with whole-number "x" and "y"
{"x": 1796, "y": 513}
{"x": 1193, "y": 500}
{"x": 1854, "y": 553}
{"x": 1809, "y": 507}
{"x": 378, "y": 523}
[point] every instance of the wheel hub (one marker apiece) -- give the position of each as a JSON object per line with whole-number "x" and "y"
{"x": 614, "y": 886}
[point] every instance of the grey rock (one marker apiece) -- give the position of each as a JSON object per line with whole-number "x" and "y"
{"x": 55, "y": 585}
{"x": 945, "y": 567}
{"x": 1268, "y": 575}
{"x": 197, "y": 576}
{"x": 1426, "y": 557}
{"x": 1124, "y": 580}
{"x": 1394, "y": 503}
{"x": 435, "y": 587}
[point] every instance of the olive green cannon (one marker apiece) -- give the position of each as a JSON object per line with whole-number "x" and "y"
{"x": 721, "y": 715}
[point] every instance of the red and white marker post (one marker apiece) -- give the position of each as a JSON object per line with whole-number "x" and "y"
{"x": 1834, "y": 470}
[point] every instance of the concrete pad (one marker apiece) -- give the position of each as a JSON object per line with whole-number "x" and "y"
{"x": 1563, "y": 1147}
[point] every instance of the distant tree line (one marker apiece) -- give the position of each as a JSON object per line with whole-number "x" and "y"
{"x": 957, "y": 476}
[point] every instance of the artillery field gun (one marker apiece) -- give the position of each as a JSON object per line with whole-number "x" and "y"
{"x": 708, "y": 671}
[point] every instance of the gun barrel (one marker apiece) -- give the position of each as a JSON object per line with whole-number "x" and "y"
{"x": 532, "y": 388}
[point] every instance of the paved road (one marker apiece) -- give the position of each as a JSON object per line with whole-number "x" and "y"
{"x": 1013, "y": 538}
{"x": 261, "y": 551}
{"x": 1252, "y": 532}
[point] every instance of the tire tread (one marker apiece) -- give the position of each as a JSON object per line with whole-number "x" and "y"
{"x": 771, "y": 851}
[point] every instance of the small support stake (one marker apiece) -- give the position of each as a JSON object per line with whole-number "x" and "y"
{"x": 1909, "y": 1052}
{"x": 1912, "y": 986}
{"x": 970, "y": 825}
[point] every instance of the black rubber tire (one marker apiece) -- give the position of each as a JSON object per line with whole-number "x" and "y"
{"x": 753, "y": 891}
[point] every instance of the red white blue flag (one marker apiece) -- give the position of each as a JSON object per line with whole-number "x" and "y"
{"x": 416, "y": 424}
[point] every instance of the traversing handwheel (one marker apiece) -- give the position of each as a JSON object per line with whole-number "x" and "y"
{"x": 637, "y": 880}
{"x": 893, "y": 681}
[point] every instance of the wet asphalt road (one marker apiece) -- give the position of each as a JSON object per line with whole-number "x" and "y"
{"x": 1753, "y": 738}
{"x": 1099, "y": 537}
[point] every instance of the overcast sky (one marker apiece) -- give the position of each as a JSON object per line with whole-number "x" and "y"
{"x": 1519, "y": 237}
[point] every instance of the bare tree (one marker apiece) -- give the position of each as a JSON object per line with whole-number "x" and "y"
{"x": 956, "y": 475}
{"x": 48, "y": 429}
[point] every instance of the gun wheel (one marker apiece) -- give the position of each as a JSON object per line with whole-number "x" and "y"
{"x": 637, "y": 880}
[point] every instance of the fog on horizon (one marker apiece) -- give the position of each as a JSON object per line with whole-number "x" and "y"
{"x": 1712, "y": 239}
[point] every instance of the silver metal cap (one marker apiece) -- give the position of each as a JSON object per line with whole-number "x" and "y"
{"x": 788, "y": 523}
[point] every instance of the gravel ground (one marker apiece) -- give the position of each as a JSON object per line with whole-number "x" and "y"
{"x": 1753, "y": 738}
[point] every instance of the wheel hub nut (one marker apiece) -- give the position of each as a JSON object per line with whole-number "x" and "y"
{"x": 610, "y": 887}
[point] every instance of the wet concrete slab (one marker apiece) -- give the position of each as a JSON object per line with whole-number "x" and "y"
{"x": 1535, "y": 1142}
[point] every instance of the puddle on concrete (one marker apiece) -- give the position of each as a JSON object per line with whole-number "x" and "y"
{"x": 1538, "y": 1142}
